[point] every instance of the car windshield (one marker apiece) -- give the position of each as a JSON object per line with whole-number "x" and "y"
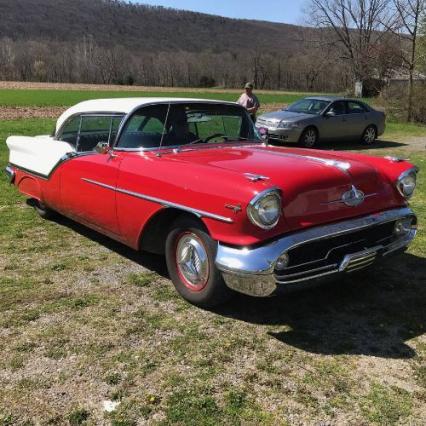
{"x": 187, "y": 124}
{"x": 308, "y": 106}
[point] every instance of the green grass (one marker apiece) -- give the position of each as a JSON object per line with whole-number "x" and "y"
{"x": 403, "y": 130}
{"x": 83, "y": 321}
{"x": 44, "y": 98}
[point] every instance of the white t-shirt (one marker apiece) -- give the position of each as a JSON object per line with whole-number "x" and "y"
{"x": 248, "y": 101}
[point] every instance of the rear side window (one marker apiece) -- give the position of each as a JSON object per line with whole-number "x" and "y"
{"x": 94, "y": 129}
{"x": 356, "y": 108}
{"x": 84, "y": 132}
{"x": 70, "y": 131}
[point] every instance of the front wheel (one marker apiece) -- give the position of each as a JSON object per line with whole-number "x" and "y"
{"x": 190, "y": 257}
{"x": 309, "y": 138}
{"x": 369, "y": 136}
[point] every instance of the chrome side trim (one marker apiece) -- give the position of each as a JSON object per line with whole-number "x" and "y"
{"x": 63, "y": 159}
{"x": 199, "y": 213}
{"x": 10, "y": 173}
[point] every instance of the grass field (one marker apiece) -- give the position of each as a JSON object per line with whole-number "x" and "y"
{"x": 29, "y": 97}
{"x": 87, "y": 321}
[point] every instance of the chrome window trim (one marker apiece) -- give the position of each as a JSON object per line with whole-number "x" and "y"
{"x": 165, "y": 203}
{"x": 187, "y": 147}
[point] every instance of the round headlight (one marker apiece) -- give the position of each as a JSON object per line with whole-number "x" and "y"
{"x": 406, "y": 183}
{"x": 265, "y": 209}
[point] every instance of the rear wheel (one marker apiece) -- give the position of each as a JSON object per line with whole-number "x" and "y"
{"x": 369, "y": 136}
{"x": 309, "y": 137}
{"x": 42, "y": 210}
{"x": 190, "y": 257}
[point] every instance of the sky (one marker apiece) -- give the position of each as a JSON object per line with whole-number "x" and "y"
{"x": 288, "y": 11}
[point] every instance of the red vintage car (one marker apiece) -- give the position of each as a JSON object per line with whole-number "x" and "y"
{"x": 194, "y": 180}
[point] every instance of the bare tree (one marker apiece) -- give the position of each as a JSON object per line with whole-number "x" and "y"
{"x": 358, "y": 25}
{"x": 406, "y": 26}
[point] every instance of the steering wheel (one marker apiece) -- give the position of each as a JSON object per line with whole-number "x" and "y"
{"x": 216, "y": 135}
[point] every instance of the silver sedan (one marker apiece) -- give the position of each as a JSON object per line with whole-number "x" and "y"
{"x": 323, "y": 118}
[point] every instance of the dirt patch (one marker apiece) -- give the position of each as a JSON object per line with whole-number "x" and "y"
{"x": 17, "y": 113}
{"x": 112, "y": 87}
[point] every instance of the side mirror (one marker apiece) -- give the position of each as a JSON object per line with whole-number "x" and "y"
{"x": 329, "y": 114}
{"x": 102, "y": 148}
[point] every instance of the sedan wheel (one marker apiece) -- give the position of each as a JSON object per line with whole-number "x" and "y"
{"x": 369, "y": 135}
{"x": 190, "y": 256}
{"x": 309, "y": 138}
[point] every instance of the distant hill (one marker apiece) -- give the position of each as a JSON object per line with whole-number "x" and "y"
{"x": 111, "y": 41}
{"x": 141, "y": 27}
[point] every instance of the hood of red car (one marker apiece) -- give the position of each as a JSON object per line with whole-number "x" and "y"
{"x": 312, "y": 182}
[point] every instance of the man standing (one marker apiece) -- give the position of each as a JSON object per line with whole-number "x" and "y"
{"x": 249, "y": 101}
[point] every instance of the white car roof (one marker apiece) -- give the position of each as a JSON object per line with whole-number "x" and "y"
{"x": 122, "y": 106}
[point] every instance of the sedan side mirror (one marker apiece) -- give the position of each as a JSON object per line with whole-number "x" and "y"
{"x": 102, "y": 148}
{"x": 329, "y": 114}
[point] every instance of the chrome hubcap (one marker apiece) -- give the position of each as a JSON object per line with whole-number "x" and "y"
{"x": 370, "y": 135}
{"x": 192, "y": 261}
{"x": 310, "y": 138}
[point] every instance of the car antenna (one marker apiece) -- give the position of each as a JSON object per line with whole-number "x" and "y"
{"x": 158, "y": 154}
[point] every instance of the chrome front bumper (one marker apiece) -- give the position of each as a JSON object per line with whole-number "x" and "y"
{"x": 281, "y": 134}
{"x": 252, "y": 270}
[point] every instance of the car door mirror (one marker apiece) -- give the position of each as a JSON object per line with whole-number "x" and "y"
{"x": 102, "y": 148}
{"x": 329, "y": 114}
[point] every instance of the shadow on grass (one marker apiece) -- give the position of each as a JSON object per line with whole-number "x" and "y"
{"x": 153, "y": 262}
{"x": 356, "y": 145}
{"x": 371, "y": 313}
{"x": 350, "y": 145}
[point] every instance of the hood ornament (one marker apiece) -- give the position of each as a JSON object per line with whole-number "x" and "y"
{"x": 254, "y": 177}
{"x": 354, "y": 197}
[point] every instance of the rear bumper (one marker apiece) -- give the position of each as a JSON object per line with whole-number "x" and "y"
{"x": 10, "y": 172}
{"x": 253, "y": 271}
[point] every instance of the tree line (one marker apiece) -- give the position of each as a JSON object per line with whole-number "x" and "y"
{"x": 113, "y": 41}
{"x": 86, "y": 61}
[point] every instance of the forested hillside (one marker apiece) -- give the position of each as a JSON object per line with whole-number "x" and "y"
{"x": 139, "y": 27}
{"x": 108, "y": 41}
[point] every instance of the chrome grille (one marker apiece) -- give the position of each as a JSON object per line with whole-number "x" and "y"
{"x": 353, "y": 262}
{"x": 268, "y": 123}
{"x": 345, "y": 253}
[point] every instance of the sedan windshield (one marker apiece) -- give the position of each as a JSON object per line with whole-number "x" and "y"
{"x": 308, "y": 106}
{"x": 186, "y": 124}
